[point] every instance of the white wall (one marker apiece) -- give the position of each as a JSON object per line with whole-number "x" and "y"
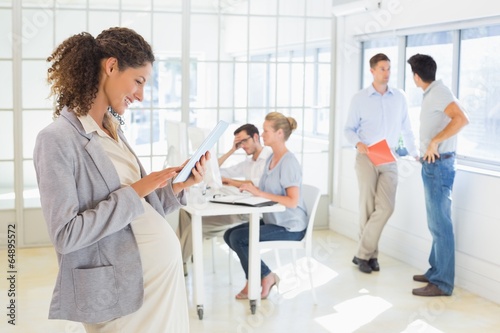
{"x": 401, "y": 14}
{"x": 475, "y": 213}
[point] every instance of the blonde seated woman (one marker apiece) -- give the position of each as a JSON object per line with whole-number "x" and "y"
{"x": 281, "y": 182}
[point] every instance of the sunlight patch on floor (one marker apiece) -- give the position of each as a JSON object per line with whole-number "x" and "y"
{"x": 354, "y": 313}
{"x": 420, "y": 326}
{"x": 295, "y": 280}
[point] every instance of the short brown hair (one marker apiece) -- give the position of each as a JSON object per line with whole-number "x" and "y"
{"x": 250, "y": 129}
{"x": 377, "y": 58}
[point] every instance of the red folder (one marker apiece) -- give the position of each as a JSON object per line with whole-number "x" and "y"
{"x": 380, "y": 153}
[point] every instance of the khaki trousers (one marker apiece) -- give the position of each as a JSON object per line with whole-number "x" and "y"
{"x": 377, "y": 196}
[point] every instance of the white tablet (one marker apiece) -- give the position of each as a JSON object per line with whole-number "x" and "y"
{"x": 206, "y": 145}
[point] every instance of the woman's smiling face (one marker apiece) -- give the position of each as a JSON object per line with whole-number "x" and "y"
{"x": 125, "y": 87}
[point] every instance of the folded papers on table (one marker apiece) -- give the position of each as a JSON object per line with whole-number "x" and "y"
{"x": 246, "y": 200}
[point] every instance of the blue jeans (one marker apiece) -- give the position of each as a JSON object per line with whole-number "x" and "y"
{"x": 237, "y": 239}
{"x": 438, "y": 180}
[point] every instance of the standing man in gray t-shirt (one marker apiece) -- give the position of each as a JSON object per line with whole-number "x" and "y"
{"x": 441, "y": 118}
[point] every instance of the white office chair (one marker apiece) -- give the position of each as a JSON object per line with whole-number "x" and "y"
{"x": 230, "y": 254}
{"x": 311, "y": 195}
{"x": 213, "y": 240}
{"x": 214, "y": 246}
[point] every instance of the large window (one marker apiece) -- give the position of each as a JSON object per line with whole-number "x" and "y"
{"x": 296, "y": 83}
{"x": 479, "y": 92}
{"x": 253, "y": 57}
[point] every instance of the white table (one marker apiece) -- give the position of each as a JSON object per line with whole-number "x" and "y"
{"x": 212, "y": 209}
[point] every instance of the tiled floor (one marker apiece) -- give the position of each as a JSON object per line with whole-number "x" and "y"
{"x": 348, "y": 300}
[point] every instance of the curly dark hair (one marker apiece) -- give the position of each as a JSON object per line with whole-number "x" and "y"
{"x": 76, "y": 65}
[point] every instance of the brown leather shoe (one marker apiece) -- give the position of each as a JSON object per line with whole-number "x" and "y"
{"x": 429, "y": 290}
{"x": 420, "y": 278}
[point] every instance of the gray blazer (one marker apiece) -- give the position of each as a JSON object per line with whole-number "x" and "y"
{"x": 88, "y": 217}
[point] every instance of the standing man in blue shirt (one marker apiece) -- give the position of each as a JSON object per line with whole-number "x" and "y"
{"x": 377, "y": 112}
{"x": 441, "y": 118}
